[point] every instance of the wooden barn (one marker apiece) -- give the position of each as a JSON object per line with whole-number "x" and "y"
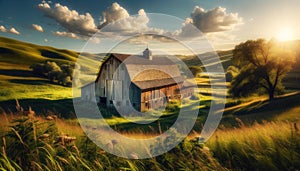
{"x": 139, "y": 82}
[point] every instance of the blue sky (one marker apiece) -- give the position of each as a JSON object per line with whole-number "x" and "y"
{"x": 241, "y": 19}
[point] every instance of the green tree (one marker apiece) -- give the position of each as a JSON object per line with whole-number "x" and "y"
{"x": 231, "y": 72}
{"x": 262, "y": 66}
{"x": 51, "y": 66}
{"x": 195, "y": 70}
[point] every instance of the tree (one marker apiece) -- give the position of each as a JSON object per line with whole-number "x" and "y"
{"x": 262, "y": 66}
{"x": 195, "y": 70}
{"x": 231, "y": 72}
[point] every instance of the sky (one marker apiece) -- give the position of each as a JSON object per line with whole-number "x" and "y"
{"x": 220, "y": 24}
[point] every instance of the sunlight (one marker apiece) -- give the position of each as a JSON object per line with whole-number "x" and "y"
{"x": 285, "y": 34}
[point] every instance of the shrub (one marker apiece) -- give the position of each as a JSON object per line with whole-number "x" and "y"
{"x": 172, "y": 106}
{"x": 60, "y": 74}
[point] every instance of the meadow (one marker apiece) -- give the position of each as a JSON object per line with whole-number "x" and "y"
{"x": 269, "y": 145}
{"x": 254, "y": 133}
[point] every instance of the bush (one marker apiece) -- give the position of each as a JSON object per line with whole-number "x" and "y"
{"x": 173, "y": 106}
{"x": 60, "y": 74}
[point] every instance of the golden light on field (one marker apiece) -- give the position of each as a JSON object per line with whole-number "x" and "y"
{"x": 285, "y": 34}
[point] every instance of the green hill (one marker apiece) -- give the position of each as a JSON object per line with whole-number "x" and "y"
{"x": 17, "y": 52}
{"x": 17, "y": 81}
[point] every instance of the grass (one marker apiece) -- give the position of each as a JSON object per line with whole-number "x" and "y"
{"x": 38, "y": 153}
{"x": 254, "y": 134}
{"x": 268, "y": 146}
{"x": 18, "y": 82}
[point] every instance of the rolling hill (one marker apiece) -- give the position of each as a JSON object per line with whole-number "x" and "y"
{"x": 17, "y": 52}
{"x": 18, "y": 82}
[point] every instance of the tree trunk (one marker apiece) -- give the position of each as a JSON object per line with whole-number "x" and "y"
{"x": 271, "y": 94}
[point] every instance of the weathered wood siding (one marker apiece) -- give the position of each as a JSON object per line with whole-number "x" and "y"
{"x": 135, "y": 97}
{"x": 88, "y": 92}
{"x": 112, "y": 83}
{"x": 158, "y": 97}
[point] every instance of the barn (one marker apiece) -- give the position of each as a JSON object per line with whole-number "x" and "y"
{"x": 138, "y": 82}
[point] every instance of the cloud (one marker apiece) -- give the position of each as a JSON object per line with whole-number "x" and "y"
{"x": 188, "y": 30}
{"x": 14, "y": 31}
{"x": 117, "y": 20}
{"x": 46, "y": 40}
{"x": 95, "y": 40}
{"x": 209, "y": 22}
{"x": 71, "y": 20}
{"x": 3, "y": 29}
{"x": 11, "y": 30}
{"x": 215, "y": 20}
{"x": 38, "y": 28}
{"x": 113, "y": 13}
{"x": 66, "y": 34}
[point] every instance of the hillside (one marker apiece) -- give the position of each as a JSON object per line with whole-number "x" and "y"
{"x": 16, "y": 78}
{"x": 17, "y": 52}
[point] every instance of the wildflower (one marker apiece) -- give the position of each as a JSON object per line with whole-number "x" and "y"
{"x": 133, "y": 155}
{"x": 44, "y": 136}
{"x": 206, "y": 149}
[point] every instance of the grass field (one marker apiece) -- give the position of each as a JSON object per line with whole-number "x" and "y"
{"x": 268, "y": 145}
{"x": 254, "y": 133}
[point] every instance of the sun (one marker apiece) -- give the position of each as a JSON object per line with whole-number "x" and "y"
{"x": 285, "y": 34}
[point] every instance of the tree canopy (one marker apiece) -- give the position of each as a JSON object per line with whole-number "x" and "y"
{"x": 262, "y": 66}
{"x": 61, "y": 74}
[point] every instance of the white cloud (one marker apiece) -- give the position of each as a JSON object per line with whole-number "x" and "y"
{"x": 95, "y": 40}
{"x": 212, "y": 23}
{"x": 38, "y": 28}
{"x": 117, "y": 20}
{"x": 14, "y": 31}
{"x": 45, "y": 40}
{"x": 215, "y": 20}
{"x": 66, "y": 34}
{"x": 70, "y": 19}
{"x": 188, "y": 30}
{"x": 113, "y": 13}
{"x": 3, "y": 29}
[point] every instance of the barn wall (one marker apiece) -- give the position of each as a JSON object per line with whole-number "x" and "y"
{"x": 135, "y": 97}
{"x": 158, "y": 97}
{"x": 88, "y": 92}
{"x": 111, "y": 83}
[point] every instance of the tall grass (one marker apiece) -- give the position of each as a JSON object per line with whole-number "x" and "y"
{"x": 32, "y": 144}
{"x": 267, "y": 146}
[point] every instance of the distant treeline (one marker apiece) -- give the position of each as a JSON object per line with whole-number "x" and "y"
{"x": 57, "y": 73}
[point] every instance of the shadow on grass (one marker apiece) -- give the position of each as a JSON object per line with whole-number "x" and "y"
{"x": 17, "y": 73}
{"x": 261, "y": 111}
{"x": 63, "y": 107}
{"x": 30, "y": 82}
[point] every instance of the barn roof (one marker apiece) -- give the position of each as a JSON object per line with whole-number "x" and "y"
{"x": 150, "y": 84}
{"x": 142, "y": 69}
{"x": 140, "y": 60}
{"x": 147, "y": 74}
